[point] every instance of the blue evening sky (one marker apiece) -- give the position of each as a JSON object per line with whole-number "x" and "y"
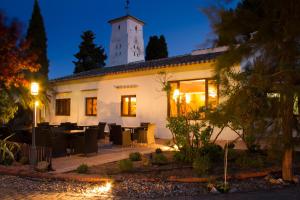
{"x": 181, "y": 21}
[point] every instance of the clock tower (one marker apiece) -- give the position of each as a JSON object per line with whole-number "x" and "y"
{"x": 127, "y": 42}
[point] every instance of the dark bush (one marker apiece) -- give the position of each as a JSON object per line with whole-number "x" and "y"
{"x": 247, "y": 160}
{"x": 202, "y": 165}
{"x": 82, "y": 169}
{"x": 158, "y": 151}
{"x": 24, "y": 160}
{"x": 159, "y": 159}
{"x": 231, "y": 145}
{"x": 213, "y": 151}
{"x": 125, "y": 165}
{"x": 136, "y": 156}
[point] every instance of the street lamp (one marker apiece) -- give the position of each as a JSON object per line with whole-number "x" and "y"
{"x": 34, "y": 91}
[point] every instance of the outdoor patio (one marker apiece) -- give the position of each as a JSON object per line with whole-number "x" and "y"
{"x": 105, "y": 155}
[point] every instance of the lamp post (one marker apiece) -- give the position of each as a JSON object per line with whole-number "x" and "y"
{"x": 34, "y": 91}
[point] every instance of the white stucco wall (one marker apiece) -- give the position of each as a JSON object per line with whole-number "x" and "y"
{"x": 151, "y": 101}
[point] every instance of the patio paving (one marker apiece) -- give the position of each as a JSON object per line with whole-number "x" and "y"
{"x": 104, "y": 155}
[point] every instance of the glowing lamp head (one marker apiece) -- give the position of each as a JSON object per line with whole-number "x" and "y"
{"x": 34, "y": 88}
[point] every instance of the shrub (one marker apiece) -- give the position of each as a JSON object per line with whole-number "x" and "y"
{"x": 231, "y": 145}
{"x": 201, "y": 165}
{"x": 178, "y": 156}
{"x": 159, "y": 159}
{"x": 213, "y": 151}
{"x": 158, "y": 151}
{"x": 146, "y": 162}
{"x": 249, "y": 161}
{"x": 24, "y": 160}
{"x": 82, "y": 169}
{"x": 125, "y": 165}
{"x": 136, "y": 156}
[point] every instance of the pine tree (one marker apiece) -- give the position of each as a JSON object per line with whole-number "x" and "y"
{"x": 266, "y": 35}
{"x": 89, "y": 56}
{"x": 36, "y": 34}
{"x": 156, "y": 48}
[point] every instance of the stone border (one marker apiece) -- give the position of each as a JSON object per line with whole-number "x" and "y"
{"x": 29, "y": 172}
{"x": 86, "y": 178}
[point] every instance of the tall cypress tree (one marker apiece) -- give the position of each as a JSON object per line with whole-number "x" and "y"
{"x": 36, "y": 34}
{"x": 156, "y": 48}
{"x": 89, "y": 56}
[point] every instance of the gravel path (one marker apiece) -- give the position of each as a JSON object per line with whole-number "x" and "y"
{"x": 12, "y": 187}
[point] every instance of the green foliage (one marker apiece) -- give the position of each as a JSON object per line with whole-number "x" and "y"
{"x": 223, "y": 188}
{"x": 7, "y": 150}
{"x": 24, "y": 160}
{"x": 125, "y": 165}
{"x": 178, "y": 156}
{"x": 202, "y": 165}
{"x": 158, "y": 150}
{"x": 212, "y": 151}
{"x": 8, "y": 107}
{"x": 247, "y": 161}
{"x": 89, "y": 56}
{"x": 156, "y": 48}
{"x": 180, "y": 129}
{"x": 82, "y": 169}
{"x": 36, "y": 34}
{"x": 185, "y": 155}
{"x": 205, "y": 136}
{"x": 159, "y": 159}
{"x": 136, "y": 156}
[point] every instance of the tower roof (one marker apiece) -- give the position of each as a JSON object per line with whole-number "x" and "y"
{"x": 124, "y": 18}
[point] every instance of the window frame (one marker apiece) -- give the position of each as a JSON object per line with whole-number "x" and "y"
{"x": 67, "y": 110}
{"x": 93, "y": 99}
{"x": 129, "y": 105}
{"x": 178, "y": 87}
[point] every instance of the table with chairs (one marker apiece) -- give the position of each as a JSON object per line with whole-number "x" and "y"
{"x": 69, "y": 138}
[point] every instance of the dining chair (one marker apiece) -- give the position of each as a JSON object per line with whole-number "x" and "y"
{"x": 147, "y": 135}
{"x": 120, "y": 137}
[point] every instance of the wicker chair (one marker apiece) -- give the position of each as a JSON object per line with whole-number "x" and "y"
{"x": 120, "y": 137}
{"x": 43, "y": 137}
{"x": 59, "y": 142}
{"x": 146, "y": 135}
{"x": 85, "y": 143}
{"x": 101, "y": 127}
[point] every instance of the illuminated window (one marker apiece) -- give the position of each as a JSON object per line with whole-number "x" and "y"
{"x": 62, "y": 107}
{"x": 190, "y": 95}
{"x": 128, "y": 106}
{"x": 91, "y": 106}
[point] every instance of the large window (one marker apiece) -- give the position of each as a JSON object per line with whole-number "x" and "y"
{"x": 62, "y": 107}
{"x": 190, "y": 95}
{"x": 128, "y": 106}
{"x": 91, "y": 106}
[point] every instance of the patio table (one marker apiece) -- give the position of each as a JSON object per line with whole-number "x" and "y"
{"x": 73, "y": 138}
{"x": 74, "y": 131}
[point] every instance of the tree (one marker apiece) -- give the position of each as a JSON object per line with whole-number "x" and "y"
{"x": 89, "y": 56}
{"x": 156, "y": 48}
{"x": 15, "y": 62}
{"x": 262, "y": 36}
{"x": 36, "y": 35}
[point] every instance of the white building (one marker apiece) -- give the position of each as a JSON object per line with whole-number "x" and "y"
{"x": 130, "y": 90}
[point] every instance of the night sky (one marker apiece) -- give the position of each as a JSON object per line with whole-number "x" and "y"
{"x": 181, "y": 21}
